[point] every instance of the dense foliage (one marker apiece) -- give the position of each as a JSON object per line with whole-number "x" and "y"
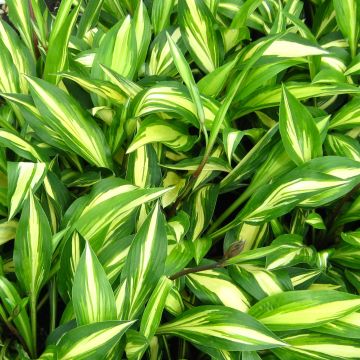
{"x": 179, "y": 179}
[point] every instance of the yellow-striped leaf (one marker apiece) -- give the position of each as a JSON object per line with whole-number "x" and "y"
{"x": 217, "y": 288}
{"x": 348, "y": 116}
{"x": 304, "y": 309}
{"x": 310, "y": 346}
{"x": 347, "y": 326}
{"x": 160, "y": 14}
{"x": 271, "y": 96}
{"x": 69, "y": 260}
{"x": 33, "y": 247}
{"x": 91, "y": 342}
{"x": 142, "y": 28}
{"x": 23, "y": 178}
{"x": 352, "y": 238}
{"x": 19, "y": 13}
{"x": 200, "y": 208}
{"x": 298, "y": 131}
{"x": 151, "y": 318}
{"x": 153, "y": 129}
{"x": 7, "y": 231}
{"x": 103, "y": 212}
{"x": 11, "y": 301}
{"x": 121, "y": 38}
{"x": 173, "y": 98}
{"x": 100, "y": 87}
{"x": 57, "y": 53}
{"x": 20, "y": 146}
{"x": 21, "y": 55}
{"x": 342, "y": 145}
{"x": 145, "y": 263}
{"x": 65, "y": 116}
{"x": 187, "y": 76}
{"x": 143, "y": 169}
{"x": 199, "y": 34}
{"x": 260, "y": 282}
{"x": 92, "y": 295}
{"x": 221, "y": 327}
{"x": 347, "y": 17}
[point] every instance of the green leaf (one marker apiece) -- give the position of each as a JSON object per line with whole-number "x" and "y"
{"x": 21, "y": 55}
{"x": 65, "y": 117}
{"x": 342, "y": 145}
{"x": 7, "y": 231}
{"x": 19, "y": 13}
{"x": 216, "y": 287}
{"x": 23, "y": 178}
{"x": 153, "y": 129}
{"x": 314, "y": 184}
{"x": 260, "y": 282}
{"x": 347, "y": 326}
{"x": 347, "y": 17}
{"x": 221, "y": 327}
{"x": 20, "y": 146}
{"x": 315, "y": 346}
{"x": 120, "y": 38}
{"x": 151, "y": 318}
{"x": 89, "y": 17}
{"x": 173, "y": 98}
{"x": 57, "y": 53}
{"x": 91, "y": 341}
{"x": 200, "y": 208}
{"x": 142, "y": 28}
{"x": 298, "y": 131}
{"x": 187, "y": 76}
{"x": 160, "y": 15}
{"x": 92, "y": 295}
{"x": 100, "y": 87}
{"x": 143, "y": 169}
{"x": 304, "y": 309}
{"x": 316, "y": 221}
{"x": 347, "y": 117}
{"x": 110, "y": 201}
{"x": 196, "y": 23}
{"x": 33, "y": 248}
{"x": 69, "y": 260}
{"x": 145, "y": 263}
{"x": 11, "y": 300}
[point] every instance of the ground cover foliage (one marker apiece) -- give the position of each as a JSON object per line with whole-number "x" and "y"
{"x": 180, "y": 180}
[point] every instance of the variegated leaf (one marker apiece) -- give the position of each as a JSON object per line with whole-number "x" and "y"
{"x": 92, "y": 296}
{"x": 33, "y": 247}
{"x": 23, "y": 178}
{"x": 298, "y": 131}
{"x": 222, "y": 328}
{"x": 216, "y": 287}
{"x": 145, "y": 263}
{"x": 65, "y": 116}
{"x": 303, "y": 309}
{"x": 91, "y": 341}
{"x": 310, "y": 346}
{"x": 199, "y": 34}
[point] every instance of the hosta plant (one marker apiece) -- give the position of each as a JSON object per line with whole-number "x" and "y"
{"x": 179, "y": 179}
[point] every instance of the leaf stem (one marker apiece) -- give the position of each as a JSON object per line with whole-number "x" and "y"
{"x": 53, "y": 305}
{"x": 243, "y": 197}
{"x": 33, "y": 322}
{"x": 189, "y": 185}
{"x": 196, "y": 269}
{"x": 14, "y": 331}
